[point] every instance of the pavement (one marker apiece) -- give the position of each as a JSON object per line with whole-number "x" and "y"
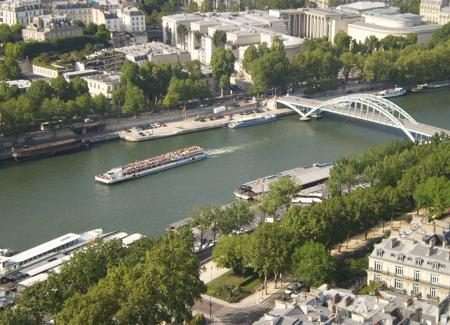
{"x": 245, "y": 311}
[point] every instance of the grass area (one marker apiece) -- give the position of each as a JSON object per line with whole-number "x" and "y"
{"x": 232, "y": 287}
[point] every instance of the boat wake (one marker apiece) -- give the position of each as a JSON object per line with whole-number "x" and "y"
{"x": 224, "y": 150}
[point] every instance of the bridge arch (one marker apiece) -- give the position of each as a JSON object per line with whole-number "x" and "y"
{"x": 362, "y": 106}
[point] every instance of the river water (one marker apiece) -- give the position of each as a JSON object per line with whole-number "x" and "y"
{"x": 42, "y": 199}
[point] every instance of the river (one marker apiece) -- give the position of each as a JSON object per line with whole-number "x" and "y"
{"x": 42, "y": 199}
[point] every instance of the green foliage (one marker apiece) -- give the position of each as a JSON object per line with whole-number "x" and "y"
{"x": 222, "y": 65}
{"x": 162, "y": 288}
{"x": 134, "y": 101}
{"x": 232, "y": 287}
{"x": 16, "y": 316}
{"x": 219, "y": 38}
{"x": 61, "y": 45}
{"x": 230, "y": 252}
{"x": 280, "y": 194}
{"x": 10, "y": 34}
{"x": 9, "y": 69}
{"x": 433, "y": 194}
{"x": 192, "y": 7}
{"x": 441, "y": 35}
{"x": 207, "y": 6}
{"x": 312, "y": 264}
{"x": 234, "y": 216}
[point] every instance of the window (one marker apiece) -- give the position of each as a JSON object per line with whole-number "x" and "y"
{"x": 433, "y": 292}
{"x": 416, "y": 275}
{"x": 415, "y": 288}
{"x": 434, "y": 278}
{"x": 419, "y": 261}
{"x": 377, "y": 278}
{"x": 398, "y": 270}
{"x": 398, "y": 284}
{"x": 378, "y": 266}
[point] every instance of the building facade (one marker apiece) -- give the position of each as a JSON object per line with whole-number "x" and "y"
{"x": 435, "y": 11}
{"x": 155, "y": 52}
{"x": 75, "y": 11}
{"x": 412, "y": 267}
{"x": 104, "y": 84}
{"x": 49, "y": 27}
{"x": 133, "y": 19}
{"x": 20, "y": 12}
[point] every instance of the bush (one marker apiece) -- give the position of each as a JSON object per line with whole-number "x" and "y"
{"x": 230, "y": 293}
{"x": 198, "y": 319}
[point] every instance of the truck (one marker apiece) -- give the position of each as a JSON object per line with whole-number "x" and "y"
{"x": 219, "y": 109}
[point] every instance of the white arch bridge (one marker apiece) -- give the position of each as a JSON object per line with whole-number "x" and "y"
{"x": 364, "y": 107}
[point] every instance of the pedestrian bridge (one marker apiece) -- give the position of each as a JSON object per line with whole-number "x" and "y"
{"x": 364, "y": 107}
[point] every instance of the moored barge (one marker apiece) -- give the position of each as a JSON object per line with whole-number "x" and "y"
{"x": 42, "y": 150}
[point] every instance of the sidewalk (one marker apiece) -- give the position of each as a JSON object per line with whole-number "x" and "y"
{"x": 210, "y": 271}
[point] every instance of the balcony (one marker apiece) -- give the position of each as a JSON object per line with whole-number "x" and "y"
{"x": 409, "y": 278}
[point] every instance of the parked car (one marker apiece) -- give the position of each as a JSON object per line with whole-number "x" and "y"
{"x": 294, "y": 288}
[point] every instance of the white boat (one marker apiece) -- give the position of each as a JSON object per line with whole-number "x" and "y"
{"x": 152, "y": 165}
{"x": 393, "y": 92}
{"x": 252, "y": 121}
{"x": 62, "y": 244}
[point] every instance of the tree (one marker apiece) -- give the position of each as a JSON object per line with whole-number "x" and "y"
{"x": 342, "y": 42}
{"x": 312, "y": 264}
{"x": 192, "y": 7}
{"x": 235, "y": 216}
{"x": 134, "y": 101}
{"x": 9, "y": 69}
{"x": 349, "y": 61}
{"x": 433, "y": 194}
{"x": 79, "y": 86}
{"x": 250, "y": 55}
{"x": 440, "y": 35}
{"x": 222, "y": 64}
{"x": 207, "y": 6}
{"x": 129, "y": 73}
{"x": 205, "y": 219}
{"x": 38, "y": 91}
{"x": 61, "y": 88}
{"x": 268, "y": 251}
{"x": 182, "y": 33}
{"x": 219, "y": 38}
{"x": 379, "y": 66}
{"x": 101, "y": 104}
{"x": 229, "y": 252}
{"x": 16, "y": 316}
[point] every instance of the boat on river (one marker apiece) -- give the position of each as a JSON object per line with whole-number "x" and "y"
{"x": 35, "y": 151}
{"x": 393, "y": 92}
{"x": 152, "y": 165}
{"x": 252, "y": 121}
{"x": 430, "y": 87}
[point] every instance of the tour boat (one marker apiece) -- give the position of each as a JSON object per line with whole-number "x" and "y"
{"x": 252, "y": 121}
{"x": 152, "y": 165}
{"x": 393, "y": 92}
{"x": 430, "y": 87}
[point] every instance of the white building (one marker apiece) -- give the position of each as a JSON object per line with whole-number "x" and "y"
{"x": 104, "y": 84}
{"x": 242, "y": 29}
{"x": 49, "y": 27}
{"x": 133, "y": 19}
{"x": 412, "y": 267}
{"x": 75, "y": 11}
{"x": 49, "y": 71}
{"x": 155, "y": 52}
{"x": 381, "y": 23}
{"x": 435, "y": 11}
{"x": 19, "y": 11}
{"x": 110, "y": 19}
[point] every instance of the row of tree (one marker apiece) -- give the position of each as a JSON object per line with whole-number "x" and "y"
{"x": 401, "y": 175}
{"x": 43, "y": 101}
{"x": 150, "y": 282}
{"x": 319, "y": 62}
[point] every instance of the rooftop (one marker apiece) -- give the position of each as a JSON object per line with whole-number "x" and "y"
{"x": 362, "y": 6}
{"x": 106, "y": 77}
{"x": 43, "y": 248}
{"x": 151, "y": 48}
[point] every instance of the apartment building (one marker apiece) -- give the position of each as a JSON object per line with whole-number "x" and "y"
{"x": 19, "y": 11}
{"x": 49, "y": 27}
{"x": 417, "y": 268}
{"x": 133, "y": 19}
{"x": 155, "y": 52}
{"x": 104, "y": 84}
{"x": 435, "y": 11}
{"x": 75, "y": 11}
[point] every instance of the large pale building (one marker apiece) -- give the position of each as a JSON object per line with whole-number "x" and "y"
{"x": 75, "y": 11}
{"x": 19, "y": 11}
{"x": 435, "y": 11}
{"x": 103, "y": 84}
{"x": 49, "y": 27}
{"x": 416, "y": 268}
{"x": 155, "y": 52}
{"x": 242, "y": 29}
{"x": 133, "y": 19}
